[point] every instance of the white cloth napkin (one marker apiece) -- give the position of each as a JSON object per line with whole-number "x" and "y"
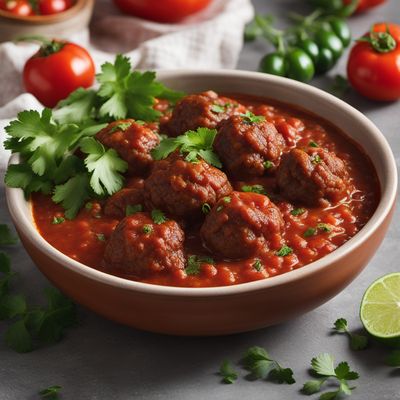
{"x": 208, "y": 40}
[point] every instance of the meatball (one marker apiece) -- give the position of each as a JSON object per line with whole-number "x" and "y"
{"x": 248, "y": 148}
{"x": 200, "y": 110}
{"x": 132, "y": 141}
{"x": 241, "y": 225}
{"x": 140, "y": 247}
{"x": 181, "y": 188}
{"x": 312, "y": 176}
{"x": 116, "y": 205}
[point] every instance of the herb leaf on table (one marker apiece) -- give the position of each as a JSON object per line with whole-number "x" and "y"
{"x": 228, "y": 373}
{"x": 357, "y": 342}
{"x": 50, "y": 393}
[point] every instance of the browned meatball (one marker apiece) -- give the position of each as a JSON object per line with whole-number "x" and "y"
{"x": 140, "y": 247}
{"x": 117, "y": 205}
{"x": 311, "y": 176}
{"x": 248, "y": 148}
{"x": 181, "y": 188}
{"x": 132, "y": 141}
{"x": 241, "y": 225}
{"x": 200, "y": 110}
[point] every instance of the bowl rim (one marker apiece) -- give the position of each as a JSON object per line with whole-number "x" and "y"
{"x": 47, "y": 19}
{"x": 16, "y": 203}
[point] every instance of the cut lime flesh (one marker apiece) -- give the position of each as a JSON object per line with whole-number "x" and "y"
{"x": 380, "y": 308}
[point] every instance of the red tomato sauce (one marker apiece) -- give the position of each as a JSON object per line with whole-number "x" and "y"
{"x": 84, "y": 238}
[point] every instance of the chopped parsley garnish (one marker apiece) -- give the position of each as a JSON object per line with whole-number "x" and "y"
{"x": 313, "y": 144}
{"x": 226, "y": 199}
{"x": 194, "y": 144}
{"x": 257, "y": 265}
{"x": 158, "y": 217}
{"x": 194, "y": 263}
{"x": 254, "y": 188}
{"x": 101, "y": 237}
{"x": 261, "y": 366}
{"x": 205, "y": 208}
{"x": 268, "y": 164}
{"x": 357, "y": 342}
{"x": 250, "y": 118}
{"x": 316, "y": 159}
{"x": 57, "y": 220}
{"x": 50, "y": 393}
{"x": 310, "y": 232}
{"x": 297, "y": 211}
{"x": 122, "y": 126}
{"x": 133, "y": 209}
{"x": 228, "y": 373}
{"x": 324, "y": 227}
{"x": 217, "y": 108}
{"x": 284, "y": 251}
{"x": 6, "y": 236}
{"x": 323, "y": 365}
{"x": 147, "y": 229}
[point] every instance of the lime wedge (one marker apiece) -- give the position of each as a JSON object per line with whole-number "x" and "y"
{"x": 380, "y": 309}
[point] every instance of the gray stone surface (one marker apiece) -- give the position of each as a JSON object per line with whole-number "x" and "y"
{"x": 101, "y": 360}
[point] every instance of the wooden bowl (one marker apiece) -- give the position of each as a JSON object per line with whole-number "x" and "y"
{"x": 59, "y": 26}
{"x": 237, "y": 308}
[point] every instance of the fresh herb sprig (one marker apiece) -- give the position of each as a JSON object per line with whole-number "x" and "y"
{"x": 50, "y": 393}
{"x": 227, "y": 373}
{"x": 6, "y": 236}
{"x": 48, "y": 142}
{"x": 357, "y": 342}
{"x": 194, "y": 264}
{"x": 323, "y": 366}
{"x": 261, "y": 366}
{"x": 194, "y": 144}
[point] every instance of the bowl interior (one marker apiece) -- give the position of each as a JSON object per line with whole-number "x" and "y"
{"x": 353, "y": 123}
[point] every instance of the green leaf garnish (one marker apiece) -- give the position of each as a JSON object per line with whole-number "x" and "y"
{"x": 313, "y": 144}
{"x": 316, "y": 159}
{"x": 310, "y": 232}
{"x": 101, "y": 237}
{"x": 57, "y": 220}
{"x": 254, "y": 189}
{"x": 297, "y": 211}
{"x": 284, "y": 251}
{"x": 6, "y": 236}
{"x": 194, "y": 144}
{"x": 268, "y": 164}
{"x": 158, "y": 217}
{"x": 50, "y": 393}
{"x": 357, "y": 342}
{"x": 250, "y": 118}
{"x": 194, "y": 263}
{"x": 228, "y": 373}
{"x": 258, "y": 265}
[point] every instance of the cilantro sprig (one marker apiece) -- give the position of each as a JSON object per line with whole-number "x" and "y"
{"x": 47, "y": 142}
{"x": 357, "y": 342}
{"x": 194, "y": 144}
{"x": 323, "y": 366}
{"x": 50, "y": 393}
{"x": 194, "y": 263}
{"x": 227, "y": 373}
{"x": 6, "y": 236}
{"x": 261, "y": 366}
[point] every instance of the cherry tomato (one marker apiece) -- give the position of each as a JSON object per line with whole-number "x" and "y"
{"x": 47, "y": 7}
{"x": 18, "y": 7}
{"x": 364, "y": 5}
{"x": 373, "y": 67}
{"x": 162, "y": 10}
{"x": 56, "y": 70}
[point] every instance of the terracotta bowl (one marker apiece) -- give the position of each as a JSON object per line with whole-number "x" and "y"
{"x": 59, "y": 26}
{"x": 244, "y": 307}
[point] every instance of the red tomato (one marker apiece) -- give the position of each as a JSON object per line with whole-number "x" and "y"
{"x": 56, "y": 70}
{"x": 18, "y": 7}
{"x": 162, "y": 10}
{"x": 364, "y": 5}
{"x": 47, "y": 7}
{"x": 373, "y": 73}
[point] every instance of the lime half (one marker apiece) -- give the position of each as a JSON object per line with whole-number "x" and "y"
{"x": 380, "y": 309}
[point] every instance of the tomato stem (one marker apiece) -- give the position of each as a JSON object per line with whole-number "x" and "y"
{"x": 381, "y": 42}
{"x": 47, "y": 46}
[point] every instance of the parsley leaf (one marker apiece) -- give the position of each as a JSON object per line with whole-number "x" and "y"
{"x": 357, "y": 342}
{"x": 18, "y": 338}
{"x": 6, "y": 236}
{"x": 11, "y": 306}
{"x": 393, "y": 359}
{"x": 73, "y": 194}
{"x": 228, "y": 373}
{"x": 313, "y": 144}
{"x": 254, "y": 189}
{"x": 297, "y": 211}
{"x": 50, "y": 393}
{"x": 250, "y": 118}
{"x": 194, "y": 263}
{"x": 323, "y": 365}
{"x": 126, "y": 93}
{"x": 257, "y": 265}
{"x": 284, "y": 251}
{"x": 158, "y": 217}
{"x": 309, "y": 232}
{"x": 57, "y": 220}
{"x": 195, "y": 144}
{"x": 261, "y": 366}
